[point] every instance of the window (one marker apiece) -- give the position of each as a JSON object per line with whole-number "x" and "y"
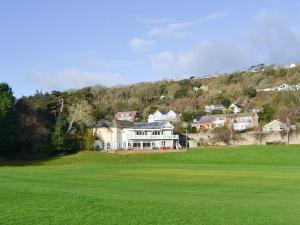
{"x": 136, "y": 145}
{"x": 163, "y": 143}
{"x": 140, "y": 133}
{"x": 107, "y": 145}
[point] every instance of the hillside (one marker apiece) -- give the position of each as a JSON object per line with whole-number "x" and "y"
{"x": 61, "y": 120}
{"x": 184, "y": 95}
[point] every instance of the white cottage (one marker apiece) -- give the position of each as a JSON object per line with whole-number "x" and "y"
{"x": 234, "y": 108}
{"x": 170, "y": 116}
{"x": 243, "y": 121}
{"x": 275, "y": 126}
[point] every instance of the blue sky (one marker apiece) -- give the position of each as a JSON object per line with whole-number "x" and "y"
{"x": 71, "y": 44}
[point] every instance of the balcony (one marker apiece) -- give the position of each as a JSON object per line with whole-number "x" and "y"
{"x": 152, "y": 137}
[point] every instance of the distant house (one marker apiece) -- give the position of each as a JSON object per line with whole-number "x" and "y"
{"x": 196, "y": 89}
{"x": 210, "y": 108}
{"x": 243, "y": 121}
{"x": 235, "y": 108}
{"x": 204, "y": 88}
{"x": 283, "y": 87}
{"x": 275, "y": 126}
{"x": 162, "y": 97}
{"x": 290, "y": 66}
{"x": 126, "y": 116}
{"x": 170, "y": 116}
{"x": 255, "y": 110}
{"x": 210, "y": 122}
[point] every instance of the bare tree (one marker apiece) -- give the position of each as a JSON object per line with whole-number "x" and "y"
{"x": 288, "y": 116}
{"x": 226, "y": 135}
{"x": 259, "y": 133}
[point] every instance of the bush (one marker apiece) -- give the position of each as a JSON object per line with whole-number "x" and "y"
{"x": 267, "y": 114}
{"x": 250, "y": 92}
{"x": 187, "y": 116}
{"x": 226, "y": 102}
{"x": 181, "y": 93}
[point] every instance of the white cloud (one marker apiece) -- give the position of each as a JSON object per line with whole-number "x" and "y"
{"x": 274, "y": 38}
{"x": 154, "y": 21}
{"x": 173, "y": 30}
{"x": 138, "y": 44}
{"x": 164, "y": 62}
{"x": 181, "y": 29}
{"x": 73, "y": 78}
{"x": 204, "y": 59}
{"x": 208, "y": 58}
{"x": 213, "y": 16}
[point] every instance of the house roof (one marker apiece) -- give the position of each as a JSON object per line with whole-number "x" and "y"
{"x": 113, "y": 123}
{"x": 241, "y": 115}
{"x": 208, "y": 119}
{"x": 275, "y": 121}
{"x": 130, "y": 114}
{"x": 150, "y": 125}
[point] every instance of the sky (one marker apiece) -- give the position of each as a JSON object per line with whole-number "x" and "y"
{"x": 66, "y": 44}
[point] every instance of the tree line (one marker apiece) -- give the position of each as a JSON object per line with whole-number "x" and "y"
{"x": 38, "y": 126}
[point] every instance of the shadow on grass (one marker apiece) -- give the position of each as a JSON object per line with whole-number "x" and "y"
{"x": 37, "y": 161}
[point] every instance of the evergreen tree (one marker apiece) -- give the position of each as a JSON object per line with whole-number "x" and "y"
{"x": 7, "y": 119}
{"x": 57, "y": 139}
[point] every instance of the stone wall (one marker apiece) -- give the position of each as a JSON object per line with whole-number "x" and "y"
{"x": 245, "y": 139}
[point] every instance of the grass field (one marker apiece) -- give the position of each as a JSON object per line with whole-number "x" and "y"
{"x": 221, "y": 186}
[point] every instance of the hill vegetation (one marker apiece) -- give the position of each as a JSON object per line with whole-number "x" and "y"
{"x": 56, "y": 122}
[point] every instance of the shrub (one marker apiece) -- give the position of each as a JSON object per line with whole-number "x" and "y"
{"x": 250, "y": 92}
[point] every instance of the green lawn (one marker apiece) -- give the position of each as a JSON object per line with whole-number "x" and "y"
{"x": 221, "y": 186}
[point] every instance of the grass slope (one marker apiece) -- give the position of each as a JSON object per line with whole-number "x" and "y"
{"x": 245, "y": 185}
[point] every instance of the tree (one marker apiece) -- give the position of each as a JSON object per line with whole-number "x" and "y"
{"x": 259, "y": 133}
{"x": 288, "y": 116}
{"x": 267, "y": 114}
{"x": 32, "y": 137}
{"x": 7, "y": 119}
{"x": 226, "y": 102}
{"x": 89, "y": 140}
{"x": 183, "y": 92}
{"x": 250, "y": 92}
{"x": 225, "y": 135}
{"x": 187, "y": 116}
{"x": 57, "y": 139}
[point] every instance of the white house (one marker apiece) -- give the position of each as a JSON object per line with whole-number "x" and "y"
{"x": 153, "y": 135}
{"x": 210, "y": 108}
{"x": 126, "y": 116}
{"x": 117, "y": 135}
{"x": 292, "y": 65}
{"x": 284, "y": 87}
{"x": 244, "y": 121}
{"x": 275, "y": 126}
{"x": 234, "y": 108}
{"x": 109, "y": 134}
{"x": 170, "y": 116}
